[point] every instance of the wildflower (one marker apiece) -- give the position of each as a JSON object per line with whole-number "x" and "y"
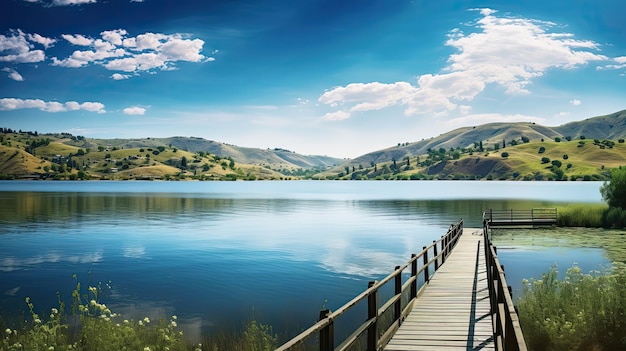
{"x": 174, "y": 317}
{"x": 93, "y": 303}
{"x": 174, "y": 324}
{"x": 93, "y": 289}
{"x": 146, "y": 348}
{"x": 140, "y": 323}
{"x": 107, "y": 311}
{"x": 55, "y": 311}
{"x": 8, "y": 331}
{"x": 51, "y": 348}
{"x": 125, "y": 321}
{"x": 37, "y": 321}
{"x": 147, "y": 320}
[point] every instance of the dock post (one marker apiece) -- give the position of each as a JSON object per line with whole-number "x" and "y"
{"x": 414, "y": 275}
{"x": 425, "y": 256}
{"x": 327, "y": 334}
{"x": 372, "y": 312}
{"x": 435, "y": 255}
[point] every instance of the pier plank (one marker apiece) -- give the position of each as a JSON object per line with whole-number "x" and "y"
{"x": 453, "y": 313}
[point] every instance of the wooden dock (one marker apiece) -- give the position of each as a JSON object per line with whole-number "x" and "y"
{"x": 453, "y": 311}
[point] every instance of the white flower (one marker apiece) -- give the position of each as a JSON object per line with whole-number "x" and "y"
{"x": 174, "y": 324}
{"x": 51, "y": 348}
{"x": 174, "y": 317}
{"x": 8, "y": 331}
{"x": 37, "y": 320}
{"x": 147, "y": 320}
{"x": 146, "y": 348}
{"x": 55, "y": 311}
{"x": 93, "y": 303}
{"x": 125, "y": 321}
{"x": 140, "y": 323}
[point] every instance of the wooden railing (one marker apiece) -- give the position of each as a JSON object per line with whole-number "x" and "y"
{"x": 507, "y": 330}
{"x": 377, "y": 335}
{"x": 533, "y": 217}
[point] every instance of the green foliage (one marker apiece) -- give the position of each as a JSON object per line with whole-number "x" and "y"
{"x": 580, "y": 312}
{"x": 545, "y": 160}
{"x": 94, "y": 327}
{"x": 557, "y": 139}
{"x": 589, "y": 216}
{"x": 614, "y": 190}
{"x": 504, "y": 154}
{"x": 542, "y": 150}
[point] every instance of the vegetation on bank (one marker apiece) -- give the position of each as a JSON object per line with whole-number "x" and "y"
{"x": 92, "y": 326}
{"x": 29, "y": 155}
{"x": 580, "y": 312}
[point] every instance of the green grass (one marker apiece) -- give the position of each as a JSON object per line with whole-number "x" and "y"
{"x": 591, "y": 216}
{"x": 580, "y": 312}
{"x": 91, "y": 325}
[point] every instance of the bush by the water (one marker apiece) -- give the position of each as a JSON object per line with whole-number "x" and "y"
{"x": 93, "y": 326}
{"x": 580, "y": 312}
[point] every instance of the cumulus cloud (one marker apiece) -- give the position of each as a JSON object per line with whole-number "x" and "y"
{"x": 8, "y": 104}
{"x": 19, "y": 47}
{"x": 13, "y": 74}
{"x": 575, "y": 102}
{"x": 134, "y": 110}
{"x": 116, "y": 51}
{"x": 505, "y": 51}
{"x": 617, "y": 63}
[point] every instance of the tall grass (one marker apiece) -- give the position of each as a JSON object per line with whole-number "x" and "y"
{"x": 92, "y": 326}
{"x": 591, "y": 216}
{"x": 580, "y": 312}
{"x": 578, "y": 215}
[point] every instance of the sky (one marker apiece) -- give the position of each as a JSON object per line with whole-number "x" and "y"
{"x": 319, "y": 77}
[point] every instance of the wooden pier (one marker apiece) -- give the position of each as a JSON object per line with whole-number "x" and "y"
{"x": 453, "y": 295}
{"x": 453, "y": 312}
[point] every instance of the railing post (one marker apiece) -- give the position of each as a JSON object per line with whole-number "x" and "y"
{"x": 444, "y": 248}
{"x": 372, "y": 312}
{"x": 426, "y": 275}
{"x": 414, "y": 275}
{"x": 327, "y": 335}
{"x": 398, "y": 290}
{"x": 435, "y": 255}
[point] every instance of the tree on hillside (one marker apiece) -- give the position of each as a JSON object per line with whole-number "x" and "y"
{"x": 614, "y": 190}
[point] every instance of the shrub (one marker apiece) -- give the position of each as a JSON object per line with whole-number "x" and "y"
{"x": 565, "y": 157}
{"x": 542, "y": 150}
{"x": 557, "y": 139}
{"x": 505, "y": 155}
{"x": 545, "y": 160}
{"x": 580, "y": 312}
{"x": 614, "y": 217}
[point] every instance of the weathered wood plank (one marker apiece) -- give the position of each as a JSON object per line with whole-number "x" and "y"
{"x": 453, "y": 313}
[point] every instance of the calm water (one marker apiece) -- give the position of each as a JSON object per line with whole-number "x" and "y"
{"x": 214, "y": 252}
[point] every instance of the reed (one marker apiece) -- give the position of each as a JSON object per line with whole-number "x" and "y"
{"x": 580, "y": 312}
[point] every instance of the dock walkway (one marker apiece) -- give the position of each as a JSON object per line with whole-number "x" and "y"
{"x": 453, "y": 312}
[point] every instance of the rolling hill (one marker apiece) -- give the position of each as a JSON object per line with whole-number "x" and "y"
{"x": 583, "y": 150}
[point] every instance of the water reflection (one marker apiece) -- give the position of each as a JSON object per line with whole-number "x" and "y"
{"x": 210, "y": 252}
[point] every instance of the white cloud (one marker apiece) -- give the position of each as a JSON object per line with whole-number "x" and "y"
{"x": 13, "y": 74}
{"x": 77, "y": 39}
{"x": 149, "y": 52}
{"x": 46, "y": 42}
{"x": 118, "y": 76}
{"x": 18, "y": 47}
{"x": 49, "y": 106}
{"x": 619, "y": 63}
{"x": 504, "y": 51}
{"x": 336, "y": 116}
{"x": 575, "y": 102}
{"x": 134, "y": 110}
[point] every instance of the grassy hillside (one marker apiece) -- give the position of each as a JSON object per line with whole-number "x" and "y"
{"x": 538, "y": 160}
{"x": 62, "y": 156}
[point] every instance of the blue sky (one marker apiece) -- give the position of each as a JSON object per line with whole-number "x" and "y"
{"x": 337, "y": 78}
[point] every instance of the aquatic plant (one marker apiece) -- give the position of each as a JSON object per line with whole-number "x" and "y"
{"x": 581, "y": 312}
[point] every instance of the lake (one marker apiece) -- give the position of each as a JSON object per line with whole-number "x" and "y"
{"x": 215, "y": 253}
